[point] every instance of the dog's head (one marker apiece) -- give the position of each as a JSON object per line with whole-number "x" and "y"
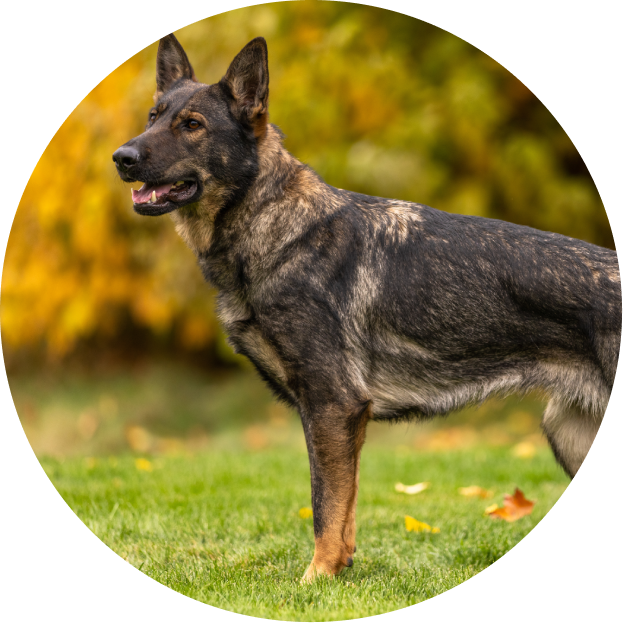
{"x": 199, "y": 139}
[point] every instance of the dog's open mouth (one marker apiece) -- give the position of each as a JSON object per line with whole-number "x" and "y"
{"x": 156, "y": 199}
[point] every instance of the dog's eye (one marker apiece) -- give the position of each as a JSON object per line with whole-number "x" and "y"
{"x": 193, "y": 125}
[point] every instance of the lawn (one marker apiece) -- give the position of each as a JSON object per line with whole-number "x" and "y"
{"x": 223, "y": 526}
{"x": 214, "y": 513}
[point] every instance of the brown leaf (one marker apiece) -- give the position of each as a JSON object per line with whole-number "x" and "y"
{"x": 515, "y": 507}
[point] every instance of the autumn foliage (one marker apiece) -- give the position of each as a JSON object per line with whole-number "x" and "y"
{"x": 375, "y": 101}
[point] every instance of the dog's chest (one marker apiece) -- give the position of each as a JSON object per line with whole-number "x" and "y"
{"x": 247, "y": 338}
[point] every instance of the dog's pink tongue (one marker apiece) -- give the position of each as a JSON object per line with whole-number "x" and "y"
{"x": 144, "y": 193}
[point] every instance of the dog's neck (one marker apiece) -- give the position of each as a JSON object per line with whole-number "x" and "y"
{"x": 255, "y": 229}
{"x": 197, "y": 224}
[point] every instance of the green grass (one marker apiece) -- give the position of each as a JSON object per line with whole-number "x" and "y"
{"x": 219, "y": 521}
{"x": 223, "y": 527}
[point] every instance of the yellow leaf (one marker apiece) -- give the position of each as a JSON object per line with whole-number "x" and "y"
{"x": 412, "y": 489}
{"x": 143, "y": 465}
{"x": 413, "y": 525}
{"x": 474, "y": 491}
{"x": 491, "y": 508}
{"x": 524, "y": 450}
{"x": 305, "y": 513}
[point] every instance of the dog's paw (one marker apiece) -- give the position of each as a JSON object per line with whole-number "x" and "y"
{"x": 325, "y": 567}
{"x": 314, "y": 571}
{"x": 310, "y": 575}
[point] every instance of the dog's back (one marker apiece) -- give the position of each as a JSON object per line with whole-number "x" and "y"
{"x": 468, "y": 306}
{"x": 435, "y": 310}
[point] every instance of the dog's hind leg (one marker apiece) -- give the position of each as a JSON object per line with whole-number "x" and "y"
{"x": 335, "y": 436}
{"x": 570, "y": 431}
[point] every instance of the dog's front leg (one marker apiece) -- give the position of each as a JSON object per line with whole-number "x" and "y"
{"x": 334, "y": 435}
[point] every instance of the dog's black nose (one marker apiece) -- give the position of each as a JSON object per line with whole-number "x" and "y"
{"x": 125, "y": 157}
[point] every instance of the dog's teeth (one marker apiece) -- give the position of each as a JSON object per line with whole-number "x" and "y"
{"x": 178, "y": 183}
{"x": 153, "y": 196}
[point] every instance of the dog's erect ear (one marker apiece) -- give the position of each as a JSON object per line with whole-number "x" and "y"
{"x": 247, "y": 81}
{"x": 171, "y": 64}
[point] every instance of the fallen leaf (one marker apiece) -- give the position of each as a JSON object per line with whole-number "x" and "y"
{"x": 524, "y": 450}
{"x": 475, "y": 491}
{"x": 144, "y": 465}
{"x": 139, "y": 439}
{"x": 305, "y": 513}
{"x": 413, "y": 525}
{"x": 412, "y": 489}
{"x": 515, "y": 507}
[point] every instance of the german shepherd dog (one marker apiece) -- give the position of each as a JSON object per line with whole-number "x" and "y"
{"x": 355, "y": 308}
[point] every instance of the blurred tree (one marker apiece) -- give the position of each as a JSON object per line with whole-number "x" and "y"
{"x": 375, "y": 101}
